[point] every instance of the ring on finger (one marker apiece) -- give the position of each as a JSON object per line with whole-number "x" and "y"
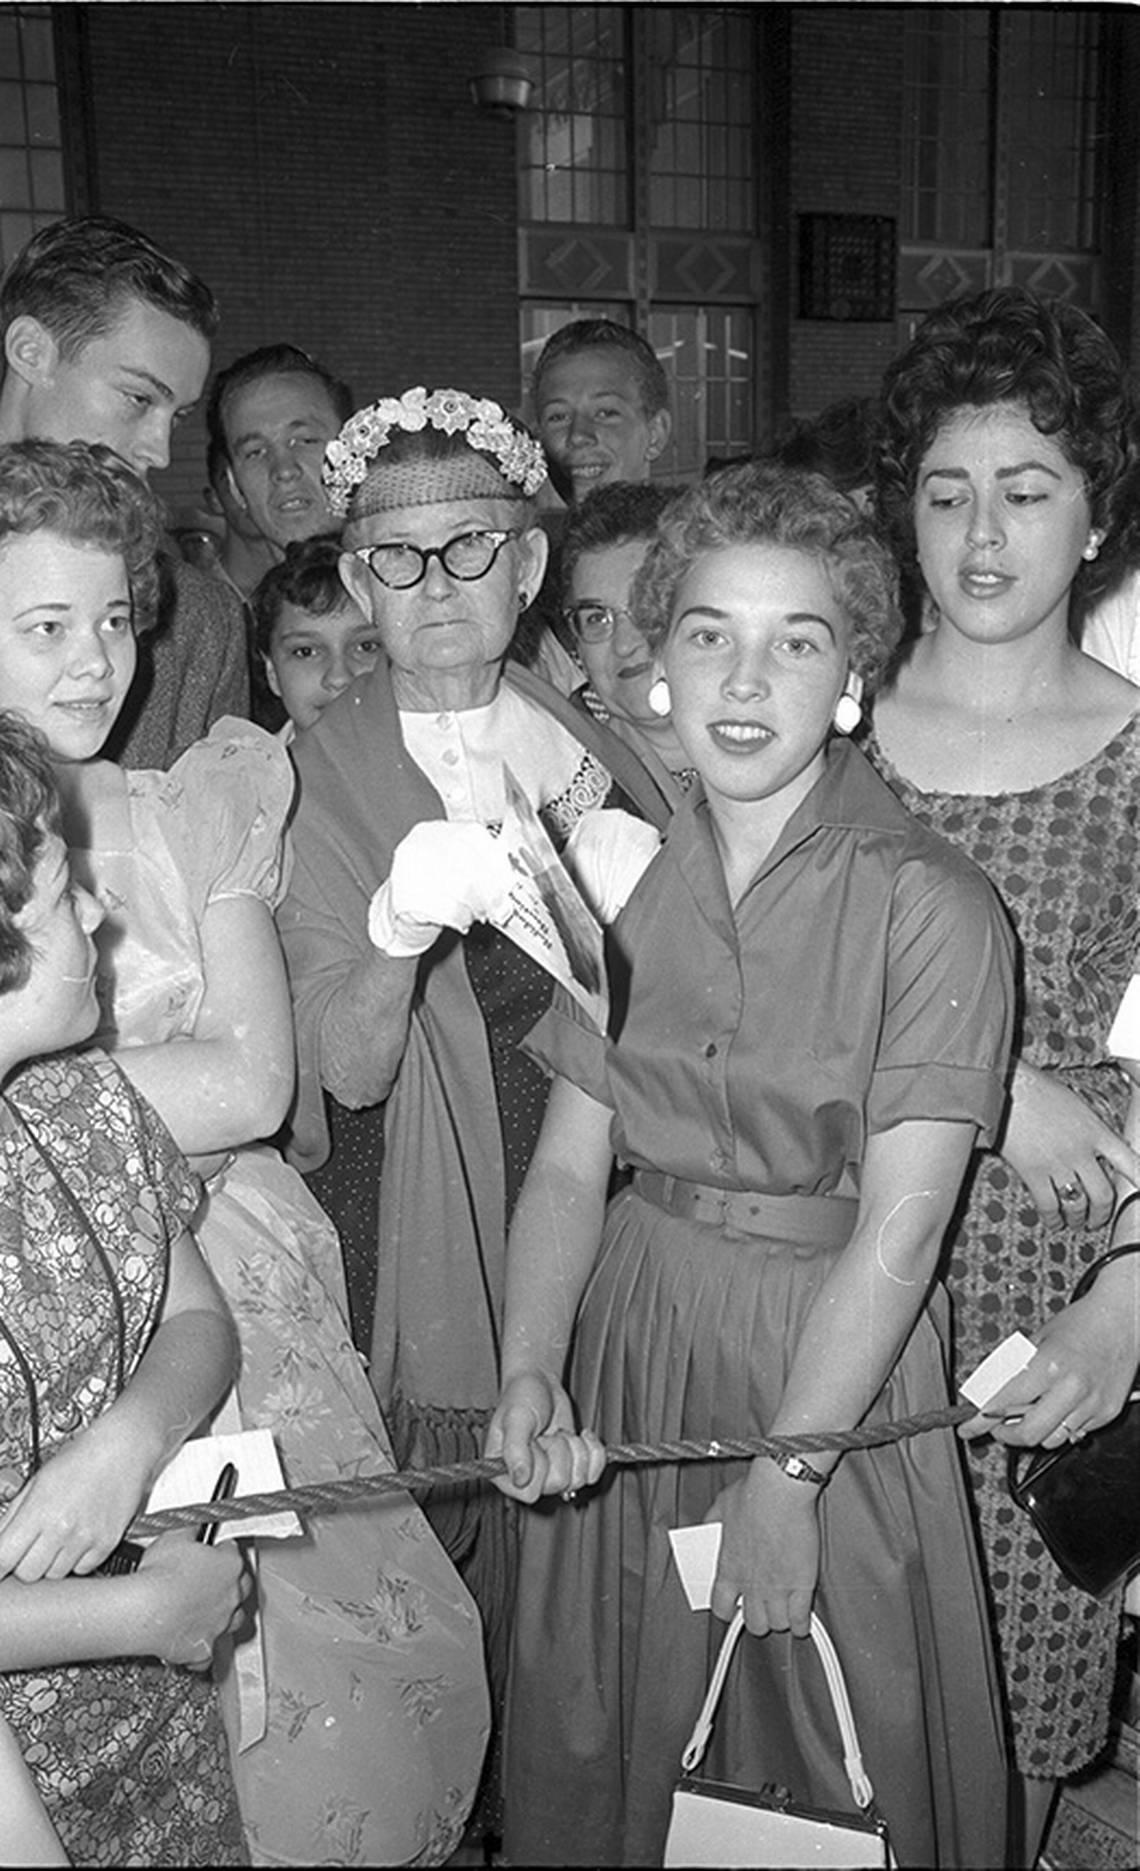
{"x": 1070, "y": 1192}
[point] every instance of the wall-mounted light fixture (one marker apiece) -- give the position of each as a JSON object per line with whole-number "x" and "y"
{"x": 503, "y": 83}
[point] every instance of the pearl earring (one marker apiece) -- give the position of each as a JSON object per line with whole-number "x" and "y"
{"x": 848, "y": 711}
{"x": 659, "y": 698}
{"x": 1093, "y": 546}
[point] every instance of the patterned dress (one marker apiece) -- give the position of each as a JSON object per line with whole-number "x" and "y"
{"x": 129, "y": 1757}
{"x": 1065, "y": 857}
{"x": 377, "y": 1704}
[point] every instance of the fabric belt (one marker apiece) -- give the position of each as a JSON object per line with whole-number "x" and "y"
{"x": 804, "y": 1220}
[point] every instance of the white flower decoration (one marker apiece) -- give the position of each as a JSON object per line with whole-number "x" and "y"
{"x": 485, "y": 424}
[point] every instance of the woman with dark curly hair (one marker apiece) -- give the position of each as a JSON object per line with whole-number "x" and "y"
{"x": 811, "y": 1031}
{"x": 1006, "y": 441}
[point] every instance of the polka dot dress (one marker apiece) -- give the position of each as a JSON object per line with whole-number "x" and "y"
{"x": 1065, "y": 859}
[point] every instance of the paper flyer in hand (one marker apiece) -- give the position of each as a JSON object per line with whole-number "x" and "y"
{"x": 190, "y": 1476}
{"x": 547, "y": 917}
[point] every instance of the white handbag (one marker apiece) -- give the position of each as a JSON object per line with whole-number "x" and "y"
{"x": 715, "y": 1824}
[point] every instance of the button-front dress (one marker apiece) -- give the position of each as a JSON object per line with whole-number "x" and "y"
{"x": 861, "y": 981}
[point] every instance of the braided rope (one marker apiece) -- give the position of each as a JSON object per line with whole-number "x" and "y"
{"x": 328, "y": 1496}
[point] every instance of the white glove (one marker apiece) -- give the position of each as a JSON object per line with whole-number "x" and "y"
{"x": 445, "y": 873}
{"x": 606, "y": 854}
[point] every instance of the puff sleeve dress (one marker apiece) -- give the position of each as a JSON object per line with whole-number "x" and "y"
{"x": 377, "y": 1712}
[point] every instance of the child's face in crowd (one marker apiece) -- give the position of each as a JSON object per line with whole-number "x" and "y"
{"x": 127, "y": 389}
{"x": 593, "y": 423}
{"x": 56, "y": 1006}
{"x": 312, "y": 659}
{"x": 620, "y": 668}
{"x": 277, "y": 430}
{"x": 67, "y": 644}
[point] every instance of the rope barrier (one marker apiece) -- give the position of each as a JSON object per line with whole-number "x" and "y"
{"x": 331, "y": 1496}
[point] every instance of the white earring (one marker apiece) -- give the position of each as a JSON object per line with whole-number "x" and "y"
{"x": 1093, "y": 546}
{"x": 659, "y": 698}
{"x": 849, "y": 708}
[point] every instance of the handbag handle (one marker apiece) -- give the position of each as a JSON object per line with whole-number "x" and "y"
{"x": 1084, "y": 1284}
{"x": 862, "y": 1792}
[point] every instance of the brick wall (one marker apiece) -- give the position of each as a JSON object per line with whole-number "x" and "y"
{"x": 323, "y": 167}
{"x": 844, "y": 128}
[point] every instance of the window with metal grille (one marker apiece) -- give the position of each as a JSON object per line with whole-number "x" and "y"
{"x": 32, "y": 185}
{"x": 700, "y": 109}
{"x": 641, "y": 135}
{"x": 575, "y": 162}
{"x": 1000, "y": 127}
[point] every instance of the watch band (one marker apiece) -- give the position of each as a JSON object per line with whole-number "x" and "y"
{"x": 799, "y": 1470}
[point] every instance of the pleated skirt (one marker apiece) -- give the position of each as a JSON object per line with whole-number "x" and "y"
{"x": 687, "y": 1331}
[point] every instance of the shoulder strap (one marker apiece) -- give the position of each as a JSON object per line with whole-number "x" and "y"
{"x": 862, "y": 1791}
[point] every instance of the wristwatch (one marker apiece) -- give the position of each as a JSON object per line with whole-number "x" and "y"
{"x": 799, "y": 1470}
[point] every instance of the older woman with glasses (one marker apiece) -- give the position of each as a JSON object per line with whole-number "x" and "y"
{"x": 604, "y": 547}
{"x": 421, "y": 1004}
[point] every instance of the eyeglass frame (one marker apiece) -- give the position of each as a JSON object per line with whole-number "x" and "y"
{"x": 612, "y": 613}
{"x": 427, "y": 553}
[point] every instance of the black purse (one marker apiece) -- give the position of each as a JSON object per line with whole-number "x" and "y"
{"x": 1084, "y": 1498}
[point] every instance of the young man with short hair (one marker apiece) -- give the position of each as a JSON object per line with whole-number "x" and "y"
{"x": 601, "y": 400}
{"x": 272, "y": 414}
{"x": 107, "y": 339}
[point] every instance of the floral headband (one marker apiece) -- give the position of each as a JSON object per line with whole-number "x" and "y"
{"x": 484, "y": 424}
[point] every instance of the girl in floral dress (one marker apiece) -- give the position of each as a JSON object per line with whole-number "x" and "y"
{"x": 114, "y": 1343}
{"x": 371, "y": 1705}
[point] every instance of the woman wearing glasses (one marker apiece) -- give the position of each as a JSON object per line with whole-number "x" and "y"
{"x": 603, "y": 549}
{"x": 400, "y": 780}
{"x": 363, "y": 1740}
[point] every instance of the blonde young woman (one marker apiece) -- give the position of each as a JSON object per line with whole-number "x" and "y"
{"x": 375, "y": 1712}
{"x": 814, "y": 1002}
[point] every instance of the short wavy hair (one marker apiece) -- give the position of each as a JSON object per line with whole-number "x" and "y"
{"x": 605, "y": 334}
{"x": 79, "y": 276}
{"x": 88, "y": 495}
{"x": 615, "y": 515}
{"x": 1009, "y": 345}
{"x": 758, "y": 504}
{"x": 29, "y": 813}
{"x": 271, "y": 360}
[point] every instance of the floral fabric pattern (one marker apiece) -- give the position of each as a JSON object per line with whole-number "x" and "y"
{"x": 129, "y": 1757}
{"x": 1065, "y": 859}
{"x": 361, "y": 1762}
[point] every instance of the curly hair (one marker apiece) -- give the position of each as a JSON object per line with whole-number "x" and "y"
{"x": 88, "y": 495}
{"x": 29, "y": 813}
{"x": 761, "y": 505}
{"x": 1009, "y": 346}
{"x": 611, "y": 516}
